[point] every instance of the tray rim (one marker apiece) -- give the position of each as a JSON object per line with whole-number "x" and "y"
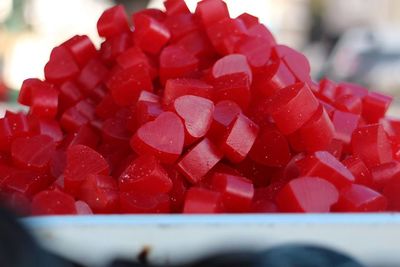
{"x": 202, "y": 219}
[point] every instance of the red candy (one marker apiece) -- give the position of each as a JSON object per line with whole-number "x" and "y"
{"x": 194, "y": 113}
{"x": 175, "y": 88}
{"x": 100, "y": 192}
{"x": 384, "y": 173}
{"x": 24, "y": 182}
{"x": 317, "y": 133}
{"x": 69, "y": 94}
{"x": 163, "y": 138}
{"x": 224, "y": 113}
{"x": 231, "y": 65}
{"x": 325, "y": 165}
{"x": 372, "y": 144}
{"x": 145, "y": 112}
{"x": 292, "y": 107}
{"x": 48, "y": 127}
{"x": 375, "y": 106}
{"x": 233, "y": 145}
{"x": 53, "y": 203}
{"x": 225, "y": 35}
{"x": 345, "y": 88}
{"x": 200, "y": 200}
{"x": 61, "y": 66}
{"x": 134, "y": 57}
{"x": 126, "y": 85}
{"x": 113, "y": 21}
{"x": 211, "y": 11}
{"x": 296, "y": 62}
{"x": 181, "y": 25}
{"x": 248, "y": 19}
{"x": 144, "y": 203}
{"x": 83, "y": 208}
{"x": 199, "y": 161}
{"x": 359, "y": 198}
{"x": 176, "y": 7}
{"x": 270, "y": 148}
{"x": 349, "y": 103}
{"x": 237, "y": 192}
{"x": 44, "y": 102}
{"x": 114, "y": 46}
{"x": 261, "y": 203}
{"x": 145, "y": 174}
{"x": 273, "y": 77}
{"x": 33, "y": 152}
{"x": 81, "y": 162}
{"x": 345, "y": 123}
{"x": 150, "y": 34}
{"x": 327, "y": 90}
{"x": 391, "y": 192}
{"x": 176, "y": 62}
{"x": 82, "y": 48}
{"x": 256, "y": 50}
{"x": 92, "y": 74}
{"x": 307, "y": 194}
{"x": 360, "y": 171}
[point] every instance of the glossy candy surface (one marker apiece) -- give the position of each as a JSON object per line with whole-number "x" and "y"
{"x": 145, "y": 174}
{"x": 53, "y": 203}
{"x": 233, "y": 145}
{"x": 199, "y": 160}
{"x": 163, "y": 138}
{"x": 237, "y": 192}
{"x": 196, "y": 113}
{"x": 32, "y": 152}
{"x": 307, "y": 194}
{"x": 200, "y": 200}
{"x": 360, "y": 198}
{"x": 292, "y": 107}
{"x": 181, "y": 112}
{"x": 81, "y": 162}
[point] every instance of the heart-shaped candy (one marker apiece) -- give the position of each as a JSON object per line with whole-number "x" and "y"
{"x": 61, "y": 66}
{"x": 163, "y": 138}
{"x": 197, "y": 114}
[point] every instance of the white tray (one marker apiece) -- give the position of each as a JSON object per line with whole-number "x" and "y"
{"x": 373, "y": 239}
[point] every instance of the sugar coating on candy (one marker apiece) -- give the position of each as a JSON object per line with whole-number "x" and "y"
{"x": 271, "y": 148}
{"x": 53, "y": 203}
{"x": 233, "y": 145}
{"x": 371, "y": 144}
{"x": 292, "y": 107}
{"x": 317, "y": 133}
{"x": 181, "y": 112}
{"x": 145, "y": 174}
{"x": 81, "y": 162}
{"x": 100, "y": 192}
{"x": 33, "y": 152}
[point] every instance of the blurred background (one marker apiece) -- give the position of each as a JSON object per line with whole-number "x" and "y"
{"x": 352, "y": 40}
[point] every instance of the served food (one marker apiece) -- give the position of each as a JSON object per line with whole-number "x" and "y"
{"x": 194, "y": 113}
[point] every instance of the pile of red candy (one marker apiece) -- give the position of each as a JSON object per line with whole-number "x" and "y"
{"x": 194, "y": 113}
